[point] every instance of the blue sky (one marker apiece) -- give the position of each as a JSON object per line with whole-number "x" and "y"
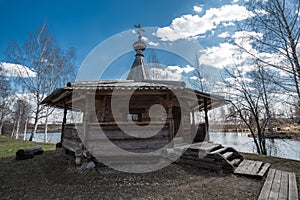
{"x": 85, "y": 24}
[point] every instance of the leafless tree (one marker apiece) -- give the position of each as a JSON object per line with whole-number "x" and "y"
{"x": 250, "y": 99}
{"x": 199, "y": 81}
{"x": 4, "y": 101}
{"x": 154, "y": 67}
{"x": 21, "y": 116}
{"x": 53, "y": 67}
{"x": 278, "y": 21}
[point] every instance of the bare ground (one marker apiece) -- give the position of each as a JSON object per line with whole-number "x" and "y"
{"x": 54, "y": 175}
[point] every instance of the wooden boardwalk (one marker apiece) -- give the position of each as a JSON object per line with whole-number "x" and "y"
{"x": 252, "y": 168}
{"x": 279, "y": 185}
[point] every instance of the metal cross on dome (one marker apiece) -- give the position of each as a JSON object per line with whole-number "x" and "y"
{"x": 139, "y": 29}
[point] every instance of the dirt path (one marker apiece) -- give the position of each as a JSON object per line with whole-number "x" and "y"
{"x": 54, "y": 176}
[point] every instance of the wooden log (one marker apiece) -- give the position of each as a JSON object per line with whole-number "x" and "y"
{"x": 129, "y": 144}
{"x": 26, "y": 153}
{"x": 211, "y": 160}
{"x": 207, "y": 165}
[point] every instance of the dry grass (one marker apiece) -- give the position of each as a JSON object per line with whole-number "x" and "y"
{"x": 54, "y": 175}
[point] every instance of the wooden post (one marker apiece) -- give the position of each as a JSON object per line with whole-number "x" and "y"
{"x": 87, "y": 116}
{"x": 170, "y": 117}
{"x": 193, "y": 117}
{"x": 64, "y": 123}
{"x": 206, "y": 120}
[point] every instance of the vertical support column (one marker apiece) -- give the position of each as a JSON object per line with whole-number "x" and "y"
{"x": 193, "y": 117}
{"x": 64, "y": 123}
{"x": 170, "y": 117}
{"x": 86, "y": 119}
{"x": 206, "y": 121}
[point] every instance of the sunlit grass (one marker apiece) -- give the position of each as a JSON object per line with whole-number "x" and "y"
{"x": 9, "y": 146}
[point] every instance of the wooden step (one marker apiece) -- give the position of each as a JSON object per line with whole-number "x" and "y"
{"x": 264, "y": 169}
{"x": 227, "y": 155}
{"x": 252, "y": 168}
{"x": 219, "y": 150}
{"x": 236, "y": 162}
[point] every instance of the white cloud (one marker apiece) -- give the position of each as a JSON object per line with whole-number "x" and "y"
{"x": 197, "y": 9}
{"x": 226, "y": 24}
{"x": 180, "y": 70}
{"x": 224, "y": 35}
{"x": 219, "y": 56}
{"x": 194, "y": 78}
{"x": 170, "y": 72}
{"x": 164, "y": 74}
{"x": 153, "y": 43}
{"x": 11, "y": 69}
{"x": 188, "y": 26}
{"x": 145, "y": 38}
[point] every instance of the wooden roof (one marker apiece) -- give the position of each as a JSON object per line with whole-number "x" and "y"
{"x": 62, "y": 96}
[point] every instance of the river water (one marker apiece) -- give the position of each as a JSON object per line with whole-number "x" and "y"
{"x": 284, "y": 148}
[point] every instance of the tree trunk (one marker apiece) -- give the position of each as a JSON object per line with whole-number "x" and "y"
{"x": 13, "y": 130}
{"x": 18, "y": 128}
{"x": 1, "y": 126}
{"x": 34, "y": 128}
{"x": 46, "y": 128}
{"x": 25, "y": 128}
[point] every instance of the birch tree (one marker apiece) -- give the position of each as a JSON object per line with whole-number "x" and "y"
{"x": 52, "y": 65}
{"x": 279, "y": 22}
{"x": 4, "y": 101}
{"x": 250, "y": 98}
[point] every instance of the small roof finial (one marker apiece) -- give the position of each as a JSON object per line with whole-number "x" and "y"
{"x": 139, "y": 30}
{"x": 139, "y": 46}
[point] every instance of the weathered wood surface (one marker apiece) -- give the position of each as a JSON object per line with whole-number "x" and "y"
{"x": 252, "y": 168}
{"x": 128, "y": 144}
{"x": 72, "y": 145}
{"x": 279, "y": 185}
{"x": 26, "y": 153}
{"x": 201, "y": 155}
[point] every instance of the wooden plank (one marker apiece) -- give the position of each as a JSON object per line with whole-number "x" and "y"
{"x": 219, "y": 150}
{"x": 242, "y": 165}
{"x": 227, "y": 155}
{"x": 255, "y": 169}
{"x": 71, "y": 145}
{"x": 242, "y": 168}
{"x": 250, "y": 167}
{"x": 264, "y": 193}
{"x": 264, "y": 169}
{"x": 284, "y": 183}
{"x": 275, "y": 186}
{"x": 205, "y": 146}
{"x": 293, "y": 192}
